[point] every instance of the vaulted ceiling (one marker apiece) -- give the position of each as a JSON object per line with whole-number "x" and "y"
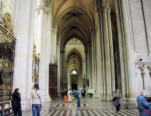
{"x": 74, "y": 62}
{"x": 74, "y": 18}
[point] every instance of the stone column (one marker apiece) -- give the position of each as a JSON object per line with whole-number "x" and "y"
{"x": 138, "y": 79}
{"x": 99, "y": 62}
{"x": 111, "y": 49}
{"x": 59, "y": 67}
{"x": 121, "y": 41}
{"x": 53, "y": 46}
{"x": 40, "y": 12}
{"x": 94, "y": 60}
{"x": 109, "y": 56}
{"x": 44, "y": 49}
{"x": 86, "y": 60}
{"x": 23, "y": 27}
{"x": 89, "y": 56}
{"x": 103, "y": 79}
{"x": 147, "y": 77}
{"x": 68, "y": 78}
{"x": 141, "y": 68}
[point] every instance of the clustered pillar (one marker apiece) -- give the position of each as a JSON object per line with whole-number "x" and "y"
{"x": 108, "y": 52}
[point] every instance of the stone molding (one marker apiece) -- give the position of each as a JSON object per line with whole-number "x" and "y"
{"x": 43, "y": 8}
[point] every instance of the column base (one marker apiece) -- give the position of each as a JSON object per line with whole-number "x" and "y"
{"x": 129, "y": 103}
{"x": 46, "y": 98}
{"x": 25, "y": 104}
{"x": 109, "y": 97}
{"x": 104, "y": 97}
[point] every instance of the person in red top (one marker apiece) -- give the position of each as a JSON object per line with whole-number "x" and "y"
{"x": 65, "y": 96}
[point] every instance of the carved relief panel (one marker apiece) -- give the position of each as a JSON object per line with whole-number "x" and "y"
{"x": 35, "y": 66}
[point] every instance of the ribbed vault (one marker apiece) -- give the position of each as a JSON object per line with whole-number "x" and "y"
{"x": 74, "y": 60}
{"x": 74, "y": 18}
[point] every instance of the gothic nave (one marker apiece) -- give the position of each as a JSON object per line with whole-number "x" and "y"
{"x": 95, "y": 45}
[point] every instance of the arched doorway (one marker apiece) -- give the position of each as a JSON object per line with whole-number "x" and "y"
{"x": 74, "y": 65}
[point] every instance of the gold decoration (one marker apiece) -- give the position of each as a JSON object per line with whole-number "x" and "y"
{"x": 35, "y": 72}
{"x": 34, "y": 49}
{"x": 7, "y": 21}
{"x": 5, "y": 63}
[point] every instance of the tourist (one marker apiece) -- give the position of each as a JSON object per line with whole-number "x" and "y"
{"x": 117, "y": 100}
{"x": 69, "y": 95}
{"x": 36, "y": 100}
{"x": 16, "y": 103}
{"x": 143, "y": 106}
{"x": 83, "y": 92}
{"x": 65, "y": 96}
{"x": 78, "y": 95}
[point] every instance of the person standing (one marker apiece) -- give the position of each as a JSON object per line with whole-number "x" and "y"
{"x": 78, "y": 95}
{"x": 143, "y": 106}
{"x": 65, "y": 96}
{"x": 36, "y": 100}
{"x": 83, "y": 93}
{"x": 117, "y": 100}
{"x": 16, "y": 103}
{"x": 69, "y": 95}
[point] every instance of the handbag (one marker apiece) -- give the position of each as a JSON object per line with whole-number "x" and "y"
{"x": 114, "y": 98}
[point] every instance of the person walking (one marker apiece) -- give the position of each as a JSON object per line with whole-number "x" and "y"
{"x": 143, "y": 106}
{"x": 117, "y": 100}
{"x": 16, "y": 103}
{"x": 36, "y": 100}
{"x": 78, "y": 95}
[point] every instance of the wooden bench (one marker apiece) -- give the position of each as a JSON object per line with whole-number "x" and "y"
{"x": 5, "y": 108}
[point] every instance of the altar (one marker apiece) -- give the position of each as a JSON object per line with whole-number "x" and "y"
{"x": 7, "y": 53}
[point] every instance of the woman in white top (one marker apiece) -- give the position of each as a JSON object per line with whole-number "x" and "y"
{"x": 69, "y": 95}
{"x": 36, "y": 100}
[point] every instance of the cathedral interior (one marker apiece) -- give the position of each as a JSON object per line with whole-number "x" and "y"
{"x": 95, "y": 45}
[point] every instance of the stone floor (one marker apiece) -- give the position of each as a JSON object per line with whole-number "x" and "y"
{"x": 88, "y": 108}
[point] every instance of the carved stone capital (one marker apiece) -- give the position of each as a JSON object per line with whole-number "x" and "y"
{"x": 149, "y": 69}
{"x": 141, "y": 68}
{"x": 106, "y": 2}
{"x": 106, "y": 9}
{"x": 43, "y": 8}
{"x": 53, "y": 30}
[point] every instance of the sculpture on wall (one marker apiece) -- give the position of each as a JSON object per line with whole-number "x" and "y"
{"x": 35, "y": 66}
{"x": 7, "y": 52}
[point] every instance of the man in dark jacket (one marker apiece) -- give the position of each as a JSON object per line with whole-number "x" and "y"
{"x": 143, "y": 106}
{"x": 16, "y": 103}
{"x": 117, "y": 100}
